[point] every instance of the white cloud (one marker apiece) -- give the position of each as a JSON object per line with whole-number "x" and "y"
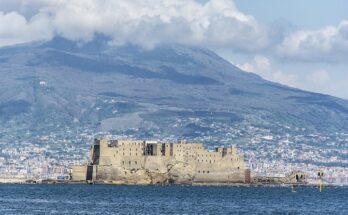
{"x": 262, "y": 66}
{"x": 318, "y": 80}
{"x": 14, "y": 28}
{"x": 319, "y": 77}
{"x": 215, "y": 24}
{"x": 327, "y": 44}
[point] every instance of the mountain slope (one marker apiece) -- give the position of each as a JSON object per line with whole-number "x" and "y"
{"x": 57, "y": 96}
{"x": 63, "y": 82}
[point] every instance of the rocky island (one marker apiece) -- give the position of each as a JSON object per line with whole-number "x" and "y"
{"x": 152, "y": 162}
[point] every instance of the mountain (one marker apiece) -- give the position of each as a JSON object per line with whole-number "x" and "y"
{"x": 171, "y": 91}
{"x": 60, "y": 82}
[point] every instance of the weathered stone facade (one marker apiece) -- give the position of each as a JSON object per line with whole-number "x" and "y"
{"x": 149, "y": 162}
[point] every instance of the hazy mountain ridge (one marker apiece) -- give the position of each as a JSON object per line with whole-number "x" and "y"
{"x": 81, "y": 86}
{"x": 55, "y": 97}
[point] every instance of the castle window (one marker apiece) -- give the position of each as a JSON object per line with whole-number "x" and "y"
{"x": 136, "y": 162}
{"x": 203, "y": 171}
{"x": 207, "y": 171}
{"x": 129, "y": 163}
{"x": 125, "y": 173}
{"x": 237, "y": 167}
{"x": 199, "y": 171}
{"x": 210, "y": 161}
{"x": 122, "y": 162}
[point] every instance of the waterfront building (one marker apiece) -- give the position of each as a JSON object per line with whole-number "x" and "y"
{"x": 152, "y": 162}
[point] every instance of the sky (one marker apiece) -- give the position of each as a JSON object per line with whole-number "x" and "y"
{"x": 299, "y": 43}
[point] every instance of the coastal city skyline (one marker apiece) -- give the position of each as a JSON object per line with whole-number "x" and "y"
{"x": 173, "y": 107}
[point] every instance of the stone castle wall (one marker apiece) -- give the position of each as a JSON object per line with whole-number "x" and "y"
{"x": 144, "y": 162}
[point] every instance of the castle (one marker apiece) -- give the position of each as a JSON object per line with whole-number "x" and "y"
{"x": 151, "y": 162}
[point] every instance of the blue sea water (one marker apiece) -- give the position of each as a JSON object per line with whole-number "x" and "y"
{"x": 108, "y": 199}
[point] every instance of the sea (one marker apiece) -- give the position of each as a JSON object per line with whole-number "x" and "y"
{"x": 116, "y": 199}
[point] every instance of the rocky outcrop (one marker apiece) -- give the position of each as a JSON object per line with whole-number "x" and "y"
{"x": 176, "y": 173}
{"x": 141, "y": 162}
{"x": 180, "y": 173}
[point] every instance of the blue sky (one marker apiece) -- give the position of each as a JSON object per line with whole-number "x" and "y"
{"x": 302, "y": 13}
{"x": 305, "y": 15}
{"x": 312, "y": 15}
{"x": 300, "y": 43}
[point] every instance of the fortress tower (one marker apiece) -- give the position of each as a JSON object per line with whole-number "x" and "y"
{"x": 151, "y": 162}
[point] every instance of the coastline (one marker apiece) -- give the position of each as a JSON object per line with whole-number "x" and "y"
{"x": 12, "y": 181}
{"x": 251, "y": 185}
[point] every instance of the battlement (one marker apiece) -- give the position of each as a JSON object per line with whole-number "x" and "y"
{"x": 124, "y": 159}
{"x": 156, "y": 148}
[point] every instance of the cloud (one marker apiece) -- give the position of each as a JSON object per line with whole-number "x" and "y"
{"x": 214, "y": 24}
{"x": 319, "y": 77}
{"x": 319, "y": 80}
{"x": 327, "y": 44}
{"x": 261, "y": 65}
{"x": 14, "y": 28}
